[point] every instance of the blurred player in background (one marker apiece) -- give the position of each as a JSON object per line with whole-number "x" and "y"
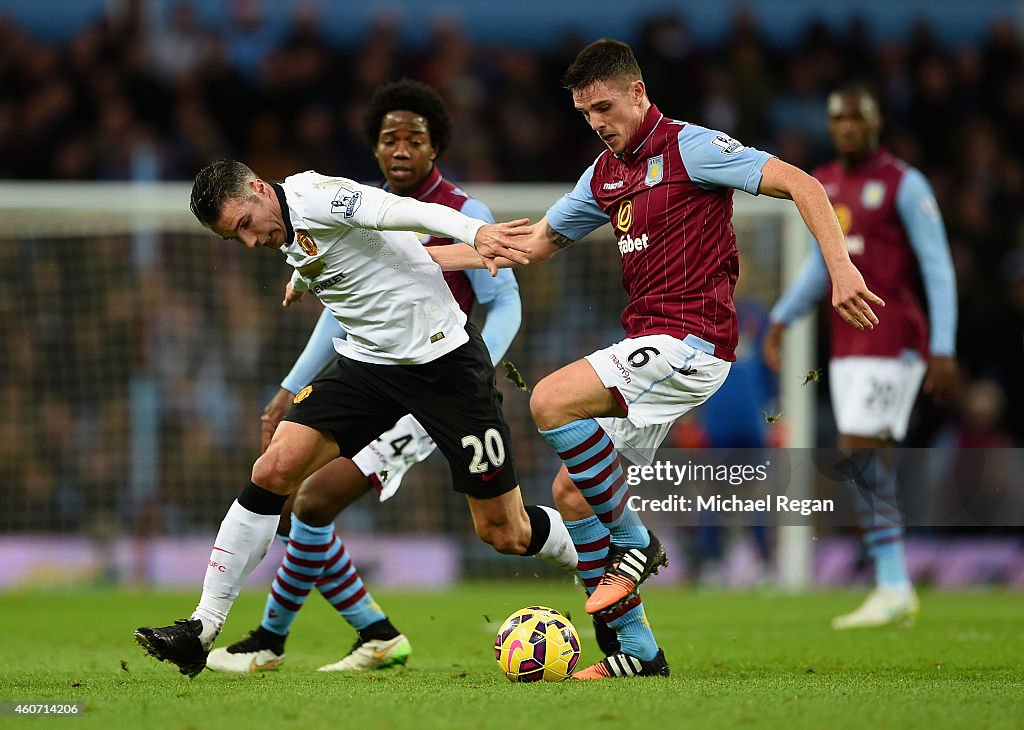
{"x": 894, "y": 233}
{"x": 410, "y": 349}
{"x": 666, "y": 187}
{"x": 408, "y": 128}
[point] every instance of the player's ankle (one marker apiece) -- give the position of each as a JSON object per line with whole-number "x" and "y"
{"x": 382, "y": 630}
{"x": 211, "y": 628}
{"x": 271, "y": 639}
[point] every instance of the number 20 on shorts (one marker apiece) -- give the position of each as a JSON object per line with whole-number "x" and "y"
{"x": 491, "y": 444}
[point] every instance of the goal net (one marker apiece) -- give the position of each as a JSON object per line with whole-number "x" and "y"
{"x": 139, "y": 351}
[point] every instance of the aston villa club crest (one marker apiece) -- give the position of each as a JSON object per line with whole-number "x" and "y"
{"x": 306, "y": 242}
{"x": 872, "y": 194}
{"x": 655, "y": 170}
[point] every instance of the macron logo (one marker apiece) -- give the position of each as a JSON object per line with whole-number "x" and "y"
{"x": 613, "y": 186}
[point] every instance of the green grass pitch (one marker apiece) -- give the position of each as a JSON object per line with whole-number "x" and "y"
{"x": 744, "y": 660}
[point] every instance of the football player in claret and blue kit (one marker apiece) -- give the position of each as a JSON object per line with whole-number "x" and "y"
{"x": 666, "y": 187}
{"x": 894, "y": 233}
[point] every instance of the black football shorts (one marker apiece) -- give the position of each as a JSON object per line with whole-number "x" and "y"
{"x": 454, "y": 397}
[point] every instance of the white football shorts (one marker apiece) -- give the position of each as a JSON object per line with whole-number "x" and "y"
{"x": 656, "y": 378}
{"x": 387, "y": 459}
{"x": 874, "y": 396}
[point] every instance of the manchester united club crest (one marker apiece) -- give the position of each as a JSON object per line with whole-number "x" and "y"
{"x": 302, "y": 394}
{"x": 655, "y": 170}
{"x": 306, "y": 243}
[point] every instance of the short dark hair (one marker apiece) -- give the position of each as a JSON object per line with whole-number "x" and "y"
{"x": 602, "y": 60}
{"x": 215, "y": 185}
{"x": 410, "y": 96}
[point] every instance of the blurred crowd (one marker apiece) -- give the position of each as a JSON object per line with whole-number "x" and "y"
{"x": 116, "y": 102}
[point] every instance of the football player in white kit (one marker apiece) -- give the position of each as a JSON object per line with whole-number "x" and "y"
{"x": 410, "y": 349}
{"x": 408, "y": 127}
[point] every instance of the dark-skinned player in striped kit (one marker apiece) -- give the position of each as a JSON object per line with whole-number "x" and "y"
{"x": 894, "y": 233}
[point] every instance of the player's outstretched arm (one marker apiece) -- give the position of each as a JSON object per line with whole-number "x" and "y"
{"x": 507, "y": 240}
{"x": 462, "y": 257}
{"x": 915, "y": 203}
{"x": 771, "y": 347}
{"x": 291, "y": 295}
{"x": 545, "y": 241}
{"x": 941, "y": 378}
{"x": 490, "y": 239}
{"x": 538, "y": 242}
{"x": 802, "y": 295}
{"x": 273, "y": 412}
{"x": 851, "y": 297}
{"x": 318, "y": 352}
{"x": 535, "y": 243}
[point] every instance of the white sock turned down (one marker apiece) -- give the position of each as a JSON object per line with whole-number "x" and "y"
{"x": 242, "y": 542}
{"x": 558, "y": 549}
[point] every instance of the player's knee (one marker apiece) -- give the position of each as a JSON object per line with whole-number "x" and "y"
{"x": 313, "y": 508}
{"x": 568, "y": 499}
{"x": 271, "y": 473}
{"x": 564, "y": 492}
{"x": 284, "y": 525}
{"x": 546, "y": 407}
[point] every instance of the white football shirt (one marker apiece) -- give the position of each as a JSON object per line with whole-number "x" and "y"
{"x": 381, "y": 285}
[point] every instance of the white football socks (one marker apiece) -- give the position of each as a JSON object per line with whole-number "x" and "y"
{"x": 242, "y": 542}
{"x": 558, "y": 549}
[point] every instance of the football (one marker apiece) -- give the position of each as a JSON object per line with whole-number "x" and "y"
{"x": 537, "y": 643}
